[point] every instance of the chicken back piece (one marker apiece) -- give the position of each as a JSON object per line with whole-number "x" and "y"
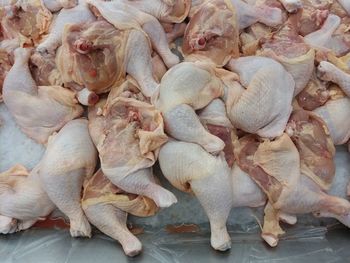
{"x": 288, "y": 47}
{"x": 107, "y": 207}
{"x": 311, "y": 137}
{"x": 128, "y": 134}
{"x": 28, "y": 21}
{"x": 212, "y": 33}
{"x": 39, "y": 111}
{"x": 264, "y": 106}
{"x": 96, "y": 57}
{"x": 124, "y": 16}
{"x": 70, "y": 157}
{"x": 314, "y": 13}
{"x": 23, "y": 201}
{"x": 275, "y": 167}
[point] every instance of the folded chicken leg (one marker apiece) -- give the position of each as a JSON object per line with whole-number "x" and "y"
{"x": 39, "y": 111}
{"x": 264, "y": 107}
{"x": 70, "y": 157}
{"x": 185, "y": 88}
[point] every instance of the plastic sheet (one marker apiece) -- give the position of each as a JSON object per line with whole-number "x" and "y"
{"x": 301, "y": 244}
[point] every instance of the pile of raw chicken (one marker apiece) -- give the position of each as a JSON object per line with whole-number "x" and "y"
{"x": 250, "y": 117}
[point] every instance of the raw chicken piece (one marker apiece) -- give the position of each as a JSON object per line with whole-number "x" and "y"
{"x": 212, "y": 33}
{"x": 158, "y": 67}
{"x": 314, "y": 13}
{"x": 190, "y": 168}
{"x": 288, "y": 48}
{"x": 56, "y": 5}
{"x": 128, "y": 134}
{"x": 265, "y": 105}
{"x": 345, "y": 4}
{"x": 185, "y": 88}
{"x": 6, "y": 59}
{"x": 23, "y": 200}
{"x": 124, "y": 16}
{"x": 335, "y": 113}
{"x": 39, "y": 111}
{"x": 292, "y": 5}
{"x": 314, "y": 95}
{"x": 340, "y": 41}
{"x": 27, "y": 21}
{"x": 79, "y": 14}
{"x": 329, "y": 72}
{"x": 168, "y": 11}
{"x": 96, "y": 56}
{"x": 275, "y": 167}
{"x": 70, "y": 157}
{"x": 106, "y": 206}
{"x": 323, "y": 38}
{"x": 44, "y": 70}
{"x": 250, "y": 14}
{"x": 311, "y": 137}
{"x": 251, "y": 38}
{"x": 174, "y": 31}
{"x": 214, "y": 119}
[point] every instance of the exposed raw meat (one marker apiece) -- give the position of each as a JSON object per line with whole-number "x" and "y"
{"x": 44, "y": 70}
{"x": 27, "y": 21}
{"x": 212, "y": 33}
{"x": 265, "y": 105}
{"x": 106, "y": 206}
{"x": 76, "y": 15}
{"x": 124, "y": 16}
{"x": 311, "y": 137}
{"x": 97, "y": 56}
{"x": 127, "y": 135}
{"x": 39, "y": 111}
{"x": 70, "y": 157}
{"x": 314, "y": 95}
{"x": 288, "y": 48}
{"x": 185, "y": 88}
{"x": 314, "y": 13}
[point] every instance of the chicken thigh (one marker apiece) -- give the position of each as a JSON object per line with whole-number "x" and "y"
{"x": 265, "y": 105}
{"x": 39, "y": 111}
{"x": 70, "y": 157}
